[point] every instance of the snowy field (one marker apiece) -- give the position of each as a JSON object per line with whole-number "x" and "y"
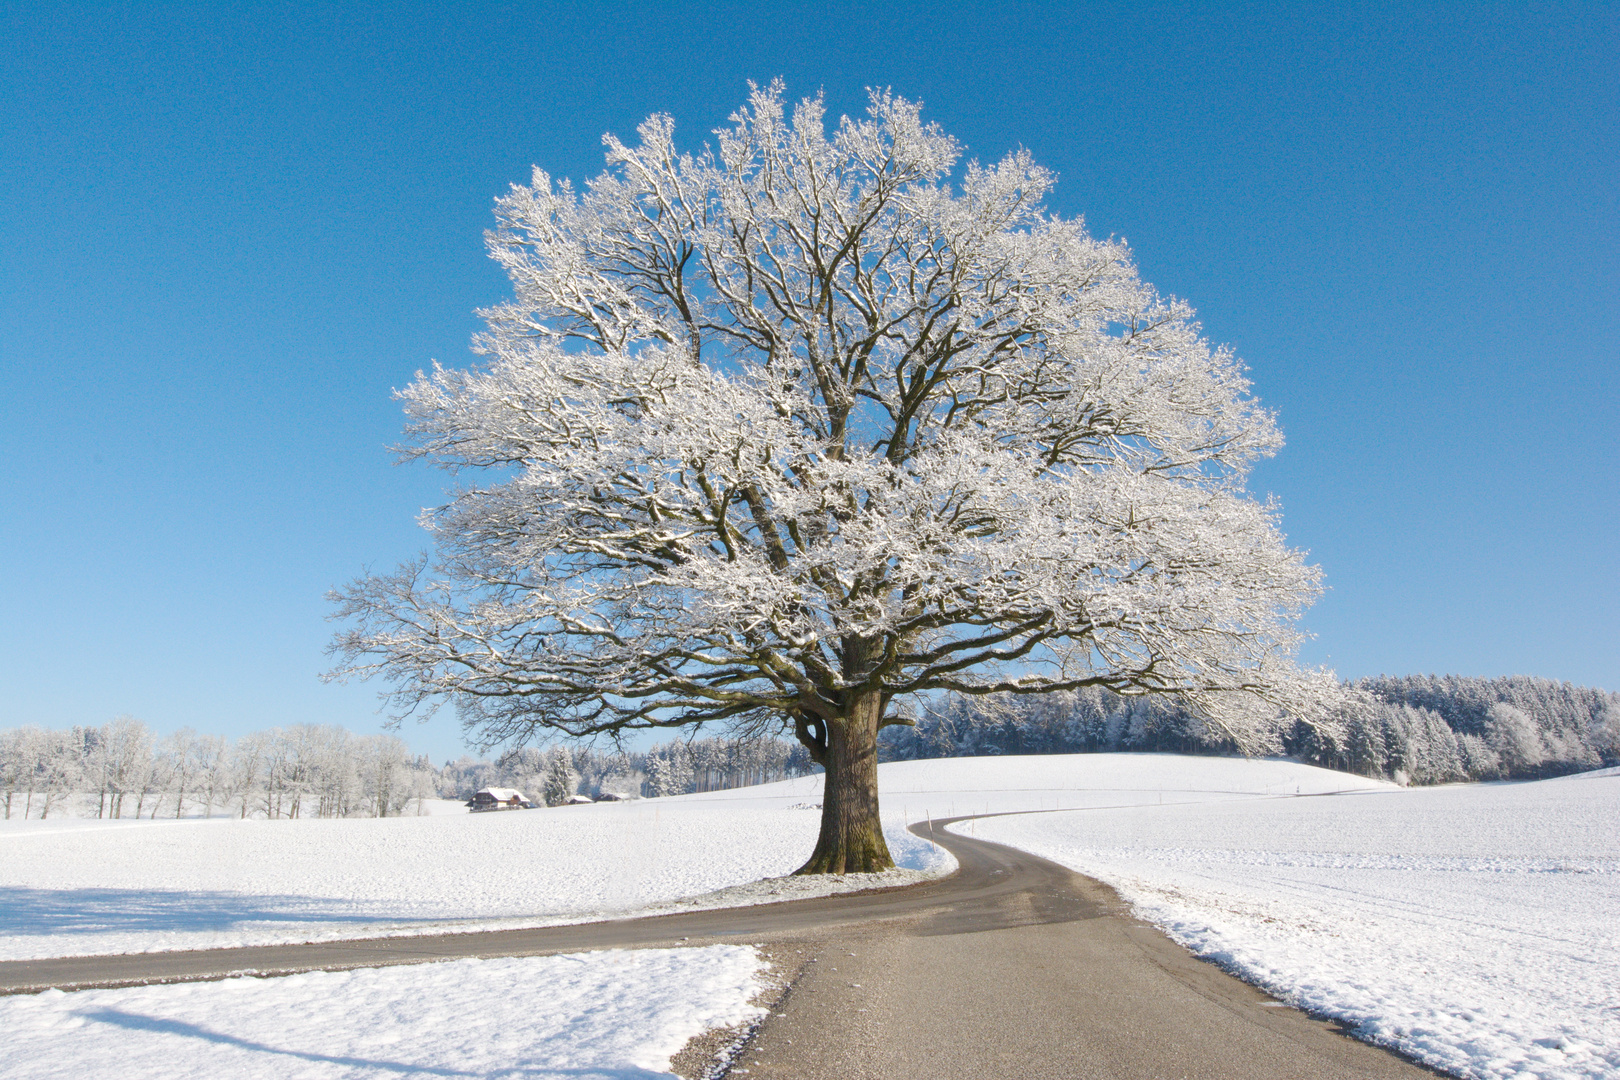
{"x": 1472, "y": 926}
{"x": 74, "y": 887}
{"x": 80, "y": 887}
{"x": 591, "y": 1016}
{"x": 1475, "y": 927}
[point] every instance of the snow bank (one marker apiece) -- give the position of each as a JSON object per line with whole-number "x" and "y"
{"x": 1477, "y": 927}
{"x": 1474, "y": 927}
{"x": 591, "y": 1016}
{"x": 80, "y": 887}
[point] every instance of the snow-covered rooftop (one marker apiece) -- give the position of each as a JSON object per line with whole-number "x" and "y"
{"x": 503, "y": 794}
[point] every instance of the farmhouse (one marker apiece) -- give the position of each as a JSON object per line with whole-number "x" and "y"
{"x": 499, "y": 798}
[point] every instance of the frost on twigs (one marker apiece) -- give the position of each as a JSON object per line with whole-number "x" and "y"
{"x": 817, "y": 418}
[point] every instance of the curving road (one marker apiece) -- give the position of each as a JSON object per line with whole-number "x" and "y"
{"x": 1012, "y": 967}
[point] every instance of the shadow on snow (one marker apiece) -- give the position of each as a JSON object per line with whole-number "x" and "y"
{"x": 32, "y": 912}
{"x": 157, "y": 1025}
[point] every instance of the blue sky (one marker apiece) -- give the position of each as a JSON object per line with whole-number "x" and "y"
{"x": 228, "y": 232}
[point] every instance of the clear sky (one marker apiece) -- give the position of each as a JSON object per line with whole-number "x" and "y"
{"x": 229, "y": 231}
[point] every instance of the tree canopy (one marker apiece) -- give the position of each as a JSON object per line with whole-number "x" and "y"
{"x": 812, "y": 420}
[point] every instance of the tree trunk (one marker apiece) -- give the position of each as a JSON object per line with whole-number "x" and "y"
{"x": 851, "y": 840}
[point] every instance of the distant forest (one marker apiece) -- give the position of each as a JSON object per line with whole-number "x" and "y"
{"x": 552, "y": 774}
{"x": 122, "y": 770}
{"x": 1413, "y": 729}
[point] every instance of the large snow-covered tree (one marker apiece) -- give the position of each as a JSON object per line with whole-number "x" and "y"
{"x": 813, "y": 420}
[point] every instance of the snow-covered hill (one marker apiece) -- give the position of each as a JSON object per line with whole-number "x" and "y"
{"x": 1476, "y": 926}
{"x": 614, "y": 1015}
{"x": 80, "y": 887}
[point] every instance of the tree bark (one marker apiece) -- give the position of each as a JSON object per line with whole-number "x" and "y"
{"x": 851, "y": 840}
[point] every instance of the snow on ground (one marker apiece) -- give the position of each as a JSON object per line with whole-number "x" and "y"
{"x": 1476, "y": 927}
{"x": 1472, "y": 926}
{"x": 72, "y": 886}
{"x": 429, "y": 807}
{"x": 591, "y": 1016}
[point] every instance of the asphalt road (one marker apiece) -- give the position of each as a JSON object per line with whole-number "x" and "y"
{"x": 1054, "y": 979}
{"x": 1013, "y": 967}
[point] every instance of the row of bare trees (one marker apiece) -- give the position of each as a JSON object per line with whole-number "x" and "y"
{"x": 720, "y": 763}
{"x": 121, "y": 769}
{"x": 675, "y": 768}
{"x": 1418, "y": 729}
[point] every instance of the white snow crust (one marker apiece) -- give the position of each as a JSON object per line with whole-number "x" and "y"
{"x": 74, "y": 887}
{"x": 617, "y": 1015}
{"x": 1474, "y": 927}
{"x": 71, "y": 886}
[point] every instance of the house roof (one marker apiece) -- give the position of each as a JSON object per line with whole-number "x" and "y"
{"x": 503, "y": 794}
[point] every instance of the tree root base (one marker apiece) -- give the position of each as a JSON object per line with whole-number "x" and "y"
{"x": 865, "y": 861}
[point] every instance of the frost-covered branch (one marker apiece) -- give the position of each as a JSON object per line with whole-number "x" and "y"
{"x": 816, "y": 414}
